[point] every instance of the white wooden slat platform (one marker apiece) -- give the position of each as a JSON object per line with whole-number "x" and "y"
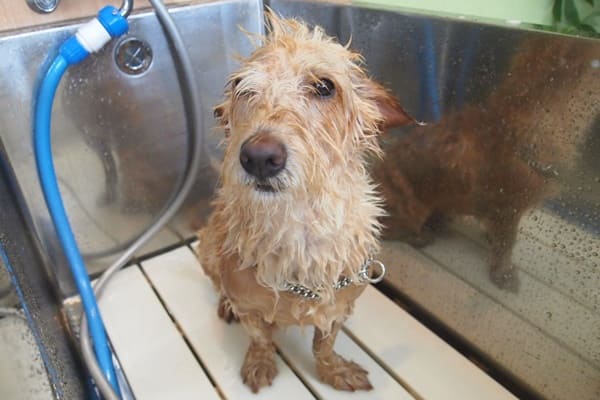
{"x": 161, "y": 318}
{"x": 189, "y": 297}
{"x": 154, "y": 356}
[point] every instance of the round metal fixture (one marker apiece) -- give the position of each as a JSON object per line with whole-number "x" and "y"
{"x": 43, "y": 6}
{"x": 133, "y": 56}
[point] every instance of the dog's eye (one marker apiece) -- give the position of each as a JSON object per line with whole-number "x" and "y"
{"x": 324, "y": 88}
{"x": 240, "y": 91}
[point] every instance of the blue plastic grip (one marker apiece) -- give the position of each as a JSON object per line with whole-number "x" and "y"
{"x": 114, "y": 23}
{"x": 73, "y": 51}
{"x": 112, "y": 20}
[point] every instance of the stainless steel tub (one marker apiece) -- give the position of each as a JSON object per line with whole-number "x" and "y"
{"x": 119, "y": 141}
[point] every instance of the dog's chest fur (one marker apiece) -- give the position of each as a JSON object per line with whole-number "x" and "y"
{"x": 310, "y": 239}
{"x": 248, "y": 296}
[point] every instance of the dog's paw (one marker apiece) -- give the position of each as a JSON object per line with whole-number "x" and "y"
{"x": 505, "y": 278}
{"x": 259, "y": 369}
{"x": 225, "y": 311}
{"x": 344, "y": 375}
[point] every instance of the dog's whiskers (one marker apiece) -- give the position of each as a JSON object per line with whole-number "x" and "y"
{"x": 274, "y": 184}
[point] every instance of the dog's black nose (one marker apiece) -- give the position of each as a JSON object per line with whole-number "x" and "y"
{"x": 263, "y": 156}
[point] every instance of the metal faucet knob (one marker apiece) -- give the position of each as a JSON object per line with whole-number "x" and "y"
{"x": 43, "y": 6}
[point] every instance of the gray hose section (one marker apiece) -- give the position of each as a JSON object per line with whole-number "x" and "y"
{"x": 126, "y": 7}
{"x": 193, "y": 110}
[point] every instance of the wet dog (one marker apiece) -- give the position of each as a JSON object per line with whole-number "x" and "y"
{"x": 296, "y": 211}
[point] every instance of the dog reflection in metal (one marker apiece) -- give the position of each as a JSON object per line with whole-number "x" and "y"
{"x": 495, "y": 160}
{"x": 296, "y": 214}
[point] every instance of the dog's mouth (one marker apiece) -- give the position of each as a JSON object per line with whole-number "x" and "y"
{"x": 265, "y": 187}
{"x": 272, "y": 185}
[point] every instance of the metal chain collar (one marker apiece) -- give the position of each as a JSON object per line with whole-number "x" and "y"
{"x": 363, "y": 275}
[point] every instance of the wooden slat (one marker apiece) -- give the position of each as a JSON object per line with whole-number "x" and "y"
{"x": 295, "y": 344}
{"x": 176, "y": 275}
{"x": 157, "y": 362}
{"x": 425, "y": 363}
{"x": 190, "y": 298}
{"x": 515, "y": 344}
{"x": 430, "y": 366}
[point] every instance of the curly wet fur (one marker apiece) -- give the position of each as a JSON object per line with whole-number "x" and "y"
{"x": 325, "y": 182}
{"x": 321, "y": 221}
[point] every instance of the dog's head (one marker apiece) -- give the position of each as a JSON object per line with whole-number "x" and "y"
{"x": 299, "y": 111}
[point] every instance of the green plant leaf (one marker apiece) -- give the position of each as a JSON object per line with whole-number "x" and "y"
{"x": 576, "y": 17}
{"x": 571, "y": 13}
{"x": 592, "y": 21}
{"x": 557, "y": 10}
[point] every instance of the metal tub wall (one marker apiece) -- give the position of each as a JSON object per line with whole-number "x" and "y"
{"x": 455, "y": 74}
{"x": 119, "y": 140}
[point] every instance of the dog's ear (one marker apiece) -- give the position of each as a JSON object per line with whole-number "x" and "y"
{"x": 218, "y": 112}
{"x": 221, "y": 117}
{"x": 392, "y": 113}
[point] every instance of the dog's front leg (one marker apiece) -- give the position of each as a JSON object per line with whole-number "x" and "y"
{"x": 259, "y": 367}
{"x": 502, "y": 235}
{"x": 225, "y": 310}
{"x": 334, "y": 369}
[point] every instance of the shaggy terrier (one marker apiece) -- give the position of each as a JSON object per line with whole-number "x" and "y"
{"x": 295, "y": 221}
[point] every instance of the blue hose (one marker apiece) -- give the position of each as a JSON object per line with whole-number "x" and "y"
{"x": 47, "y": 175}
{"x": 72, "y": 52}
